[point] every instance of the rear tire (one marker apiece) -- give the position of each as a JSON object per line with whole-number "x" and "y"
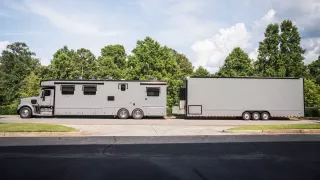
{"x": 256, "y": 116}
{"x": 123, "y": 114}
{"x": 265, "y": 116}
{"x": 137, "y": 114}
{"x": 246, "y": 115}
{"x": 25, "y": 112}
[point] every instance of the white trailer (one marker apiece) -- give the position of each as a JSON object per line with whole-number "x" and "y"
{"x": 246, "y": 97}
{"x": 119, "y": 98}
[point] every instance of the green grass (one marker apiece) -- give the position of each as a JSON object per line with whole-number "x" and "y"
{"x": 34, "y": 127}
{"x": 273, "y": 127}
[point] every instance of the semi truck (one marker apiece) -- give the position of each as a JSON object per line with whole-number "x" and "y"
{"x": 119, "y": 98}
{"x": 246, "y": 97}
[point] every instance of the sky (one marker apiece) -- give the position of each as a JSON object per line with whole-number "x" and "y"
{"x": 205, "y": 31}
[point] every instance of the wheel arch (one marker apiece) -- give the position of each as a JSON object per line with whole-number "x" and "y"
{"x": 26, "y": 105}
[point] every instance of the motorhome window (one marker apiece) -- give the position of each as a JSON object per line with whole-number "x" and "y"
{"x": 47, "y": 92}
{"x": 67, "y": 90}
{"x": 89, "y": 90}
{"x": 153, "y": 91}
{"x": 123, "y": 87}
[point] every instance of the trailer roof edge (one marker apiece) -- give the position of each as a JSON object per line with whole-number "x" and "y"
{"x": 246, "y": 77}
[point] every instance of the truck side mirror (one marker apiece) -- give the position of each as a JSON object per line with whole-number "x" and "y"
{"x": 42, "y": 95}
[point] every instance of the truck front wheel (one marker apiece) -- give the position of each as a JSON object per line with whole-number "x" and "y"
{"x": 25, "y": 112}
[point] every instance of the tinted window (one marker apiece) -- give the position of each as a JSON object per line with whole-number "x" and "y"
{"x": 123, "y": 87}
{"x": 89, "y": 90}
{"x": 67, "y": 90}
{"x": 47, "y": 93}
{"x": 153, "y": 91}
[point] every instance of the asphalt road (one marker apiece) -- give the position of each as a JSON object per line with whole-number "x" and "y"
{"x": 194, "y": 157}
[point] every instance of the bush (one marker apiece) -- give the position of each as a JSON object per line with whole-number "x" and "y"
{"x": 312, "y": 112}
{"x": 169, "y": 110}
{"x": 8, "y": 110}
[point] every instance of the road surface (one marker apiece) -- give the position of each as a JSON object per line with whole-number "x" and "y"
{"x": 150, "y": 127}
{"x": 195, "y": 157}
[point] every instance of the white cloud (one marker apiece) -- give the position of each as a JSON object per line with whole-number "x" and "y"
{"x": 3, "y": 45}
{"x": 65, "y": 21}
{"x": 313, "y": 49}
{"x": 259, "y": 26}
{"x": 212, "y": 52}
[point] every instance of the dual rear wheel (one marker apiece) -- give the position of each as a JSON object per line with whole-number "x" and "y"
{"x": 124, "y": 114}
{"x": 255, "y": 115}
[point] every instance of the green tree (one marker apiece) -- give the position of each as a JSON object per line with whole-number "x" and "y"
{"x": 291, "y": 50}
{"x": 62, "y": 65}
{"x": 16, "y": 62}
{"x": 311, "y": 93}
{"x": 30, "y": 86}
{"x": 201, "y": 72}
{"x": 237, "y": 63}
{"x": 184, "y": 64}
{"x": 269, "y": 62}
{"x": 84, "y": 64}
{"x": 151, "y": 60}
{"x": 112, "y": 62}
{"x": 313, "y": 70}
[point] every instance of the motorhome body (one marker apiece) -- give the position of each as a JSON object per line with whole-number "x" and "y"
{"x": 119, "y": 98}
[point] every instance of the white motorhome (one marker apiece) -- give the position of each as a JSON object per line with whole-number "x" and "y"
{"x": 119, "y": 98}
{"x": 246, "y": 97}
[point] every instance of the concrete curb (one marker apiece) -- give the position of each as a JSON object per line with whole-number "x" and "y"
{"x": 41, "y": 134}
{"x": 284, "y": 131}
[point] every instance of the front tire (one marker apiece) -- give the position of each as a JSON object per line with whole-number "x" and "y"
{"x": 137, "y": 114}
{"x": 25, "y": 112}
{"x": 123, "y": 114}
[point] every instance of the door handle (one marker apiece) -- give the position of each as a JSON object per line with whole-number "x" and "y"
{"x": 134, "y": 104}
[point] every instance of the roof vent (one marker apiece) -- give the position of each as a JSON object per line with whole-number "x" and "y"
{"x": 93, "y": 78}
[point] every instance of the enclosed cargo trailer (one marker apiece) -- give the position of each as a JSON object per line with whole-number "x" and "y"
{"x": 247, "y": 97}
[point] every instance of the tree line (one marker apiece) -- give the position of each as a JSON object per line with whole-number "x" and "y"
{"x": 279, "y": 55}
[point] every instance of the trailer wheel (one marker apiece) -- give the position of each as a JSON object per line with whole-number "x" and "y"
{"x": 265, "y": 116}
{"x": 123, "y": 114}
{"x": 246, "y": 115}
{"x": 25, "y": 112}
{"x": 137, "y": 114}
{"x": 255, "y": 116}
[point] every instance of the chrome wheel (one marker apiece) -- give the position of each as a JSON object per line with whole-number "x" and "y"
{"x": 265, "y": 116}
{"x": 255, "y": 116}
{"x": 246, "y": 116}
{"x": 123, "y": 114}
{"x": 25, "y": 112}
{"x": 137, "y": 114}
